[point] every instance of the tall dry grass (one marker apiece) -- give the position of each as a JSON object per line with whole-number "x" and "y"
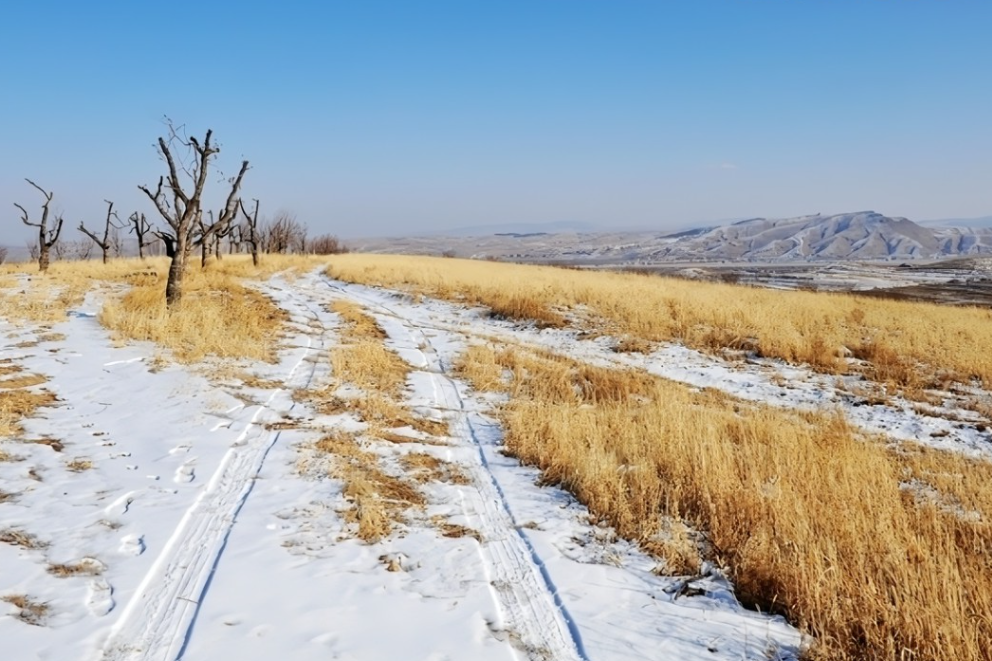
{"x": 218, "y": 316}
{"x": 910, "y": 345}
{"x": 879, "y": 553}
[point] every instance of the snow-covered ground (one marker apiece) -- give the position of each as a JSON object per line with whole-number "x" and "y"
{"x": 204, "y": 528}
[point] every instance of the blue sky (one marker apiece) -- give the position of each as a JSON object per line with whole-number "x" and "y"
{"x": 379, "y": 117}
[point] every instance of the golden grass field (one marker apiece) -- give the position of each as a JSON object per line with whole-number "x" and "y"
{"x": 808, "y": 517}
{"x": 910, "y": 345}
{"x": 879, "y": 550}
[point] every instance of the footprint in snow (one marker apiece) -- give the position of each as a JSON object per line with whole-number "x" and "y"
{"x": 179, "y": 449}
{"x": 99, "y": 597}
{"x": 132, "y": 545}
{"x": 121, "y": 504}
{"x": 185, "y": 473}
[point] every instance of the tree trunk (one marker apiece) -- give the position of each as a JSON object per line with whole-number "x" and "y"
{"x": 105, "y": 255}
{"x": 254, "y": 253}
{"x": 43, "y": 259}
{"x": 177, "y": 268}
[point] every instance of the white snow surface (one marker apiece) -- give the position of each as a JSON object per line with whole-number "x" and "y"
{"x": 214, "y": 543}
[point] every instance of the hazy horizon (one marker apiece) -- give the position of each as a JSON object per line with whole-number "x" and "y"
{"x": 390, "y": 119}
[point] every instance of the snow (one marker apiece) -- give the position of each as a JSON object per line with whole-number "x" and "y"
{"x": 216, "y": 534}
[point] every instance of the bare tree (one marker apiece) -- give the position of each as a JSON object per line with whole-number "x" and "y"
{"x": 299, "y": 241}
{"x": 252, "y": 236}
{"x": 327, "y": 244}
{"x": 117, "y": 246}
{"x": 203, "y": 240}
{"x": 283, "y": 234}
{"x": 141, "y": 229}
{"x": 46, "y": 237}
{"x": 235, "y": 238}
{"x": 73, "y": 250}
{"x": 3, "y": 254}
{"x": 80, "y": 250}
{"x": 183, "y": 212}
{"x": 32, "y": 246}
{"x": 104, "y": 244}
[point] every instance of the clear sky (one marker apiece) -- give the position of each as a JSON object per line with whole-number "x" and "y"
{"x": 373, "y": 117}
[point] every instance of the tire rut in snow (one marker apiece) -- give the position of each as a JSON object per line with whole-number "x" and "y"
{"x": 535, "y": 620}
{"x": 157, "y": 622}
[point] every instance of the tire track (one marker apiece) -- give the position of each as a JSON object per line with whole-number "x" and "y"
{"x": 535, "y": 619}
{"x": 157, "y": 622}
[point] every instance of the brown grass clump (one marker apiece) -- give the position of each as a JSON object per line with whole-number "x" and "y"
{"x": 22, "y": 381}
{"x": 630, "y": 344}
{"x": 454, "y": 530}
{"x": 809, "y": 519}
{"x": 424, "y": 467}
{"x": 30, "y": 612}
{"x": 364, "y": 360}
{"x": 370, "y": 366}
{"x": 360, "y": 325}
{"x": 8, "y": 367}
{"x": 378, "y": 499}
{"x": 520, "y": 307}
{"x": 15, "y": 405}
{"x": 84, "y": 567}
{"x": 910, "y": 344}
{"x": 20, "y": 538}
{"x": 79, "y": 464}
{"x": 218, "y": 316}
{"x": 383, "y": 413}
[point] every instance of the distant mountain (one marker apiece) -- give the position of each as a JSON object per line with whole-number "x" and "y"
{"x": 863, "y": 235}
{"x": 858, "y": 236}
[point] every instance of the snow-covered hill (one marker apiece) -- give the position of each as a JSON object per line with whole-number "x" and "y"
{"x": 864, "y": 235}
{"x": 858, "y": 236}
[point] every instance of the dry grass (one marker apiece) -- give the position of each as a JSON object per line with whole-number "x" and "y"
{"x": 40, "y": 300}
{"x": 8, "y": 367}
{"x": 53, "y": 443}
{"x": 29, "y": 611}
{"x": 79, "y": 464}
{"x": 22, "y": 381}
{"x": 84, "y": 567}
{"x": 17, "y": 404}
{"x": 454, "y": 530}
{"x": 360, "y": 326}
{"x": 423, "y": 467}
{"x": 370, "y": 366}
{"x": 218, "y": 316}
{"x": 940, "y": 343}
{"x": 378, "y": 499}
{"x": 809, "y": 519}
{"x": 16, "y": 537}
{"x": 364, "y": 361}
